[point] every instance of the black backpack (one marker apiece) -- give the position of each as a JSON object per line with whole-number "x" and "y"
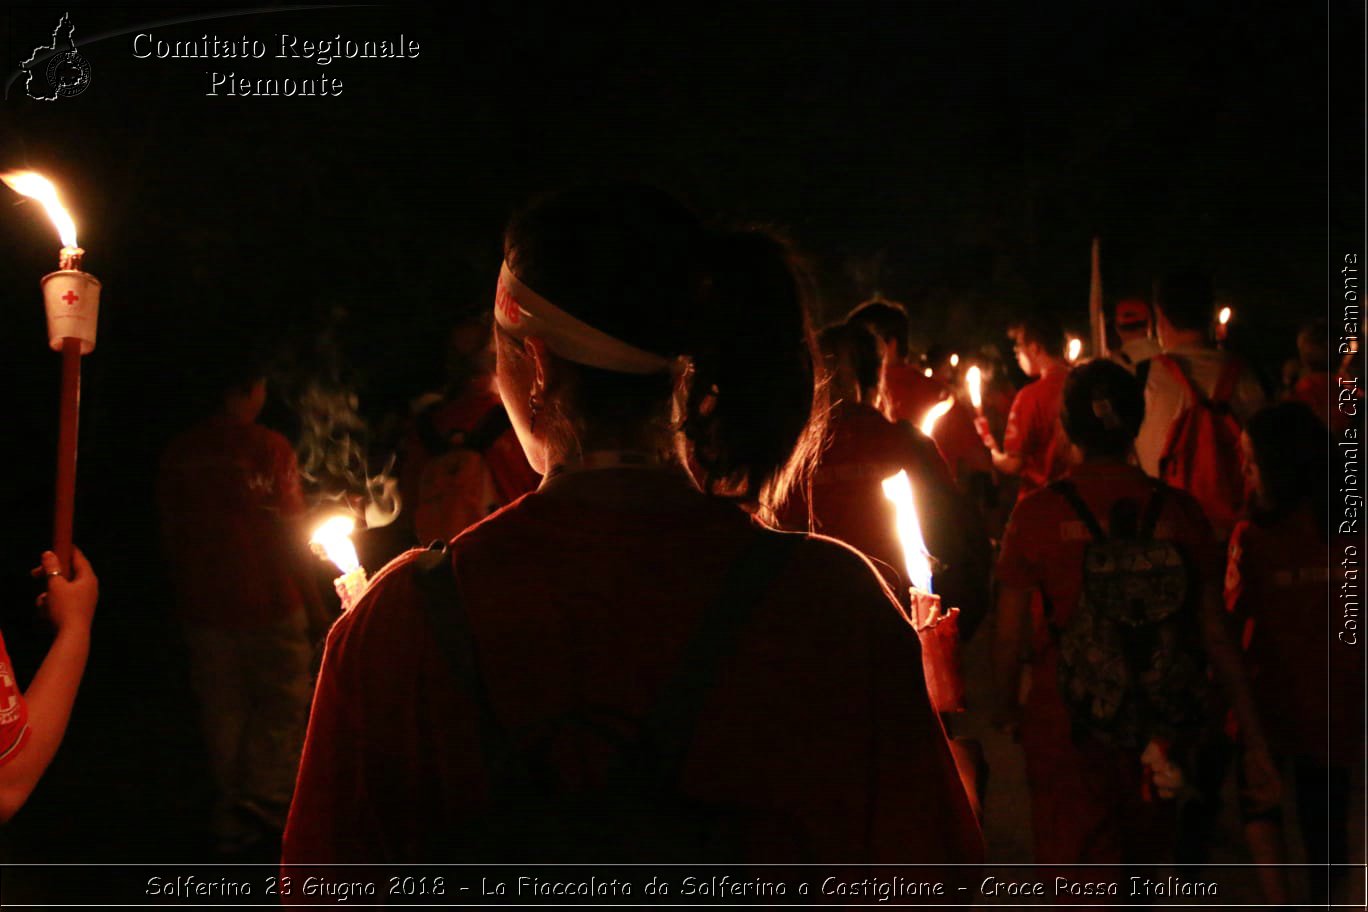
{"x": 635, "y": 813}
{"x": 1131, "y": 664}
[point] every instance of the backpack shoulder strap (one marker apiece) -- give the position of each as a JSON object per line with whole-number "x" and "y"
{"x": 1066, "y": 490}
{"x": 1150, "y": 520}
{"x": 1142, "y": 372}
{"x": 446, "y": 614}
{"x": 672, "y": 719}
{"x": 1176, "y": 370}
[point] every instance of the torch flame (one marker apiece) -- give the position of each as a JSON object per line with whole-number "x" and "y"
{"x": 1075, "y": 348}
{"x": 898, "y": 489}
{"x": 1224, "y": 317}
{"x": 934, "y": 413}
{"x": 973, "y": 378}
{"x": 334, "y": 537}
{"x": 928, "y": 372}
{"x": 35, "y": 186}
{"x": 954, "y": 360}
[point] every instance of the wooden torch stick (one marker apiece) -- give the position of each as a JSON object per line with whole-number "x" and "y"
{"x": 64, "y": 504}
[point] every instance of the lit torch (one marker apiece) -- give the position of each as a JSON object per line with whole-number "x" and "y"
{"x": 954, "y": 360}
{"x": 939, "y": 632}
{"x": 934, "y": 414}
{"x": 72, "y": 300}
{"x": 333, "y": 538}
{"x": 1075, "y": 348}
{"x": 973, "y": 378}
{"x": 916, "y": 559}
{"x": 1223, "y": 323}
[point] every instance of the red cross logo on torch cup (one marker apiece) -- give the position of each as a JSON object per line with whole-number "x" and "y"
{"x": 71, "y": 298}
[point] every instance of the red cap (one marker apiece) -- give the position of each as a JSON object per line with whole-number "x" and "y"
{"x": 1132, "y": 312}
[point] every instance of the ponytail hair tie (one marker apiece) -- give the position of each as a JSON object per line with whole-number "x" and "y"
{"x": 1102, "y": 408}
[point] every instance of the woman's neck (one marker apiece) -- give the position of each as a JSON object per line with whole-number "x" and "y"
{"x": 621, "y": 480}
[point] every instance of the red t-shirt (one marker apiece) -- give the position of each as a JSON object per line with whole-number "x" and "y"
{"x": 1045, "y": 541}
{"x": 821, "y": 713}
{"x": 229, "y": 495}
{"x": 848, "y": 503}
{"x": 1086, "y": 795}
{"x": 14, "y": 727}
{"x": 1276, "y": 586}
{"x": 960, "y": 443}
{"x": 910, "y": 393}
{"x": 863, "y": 448}
{"x": 1034, "y": 434}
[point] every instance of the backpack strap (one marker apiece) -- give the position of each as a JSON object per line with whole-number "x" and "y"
{"x": 446, "y": 614}
{"x": 672, "y": 720}
{"x": 1150, "y": 520}
{"x": 1176, "y": 369}
{"x": 1142, "y": 372}
{"x": 1065, "y": 489}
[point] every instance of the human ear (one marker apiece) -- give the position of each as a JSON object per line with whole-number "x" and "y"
{"x": 542, "y": 369}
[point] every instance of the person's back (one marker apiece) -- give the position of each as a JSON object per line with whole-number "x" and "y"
{"x": 825, "y": 662}
{"x": 1184, "y": 312}
{"x": 228, "y": 492}
{"x": 230, "y": 502}
{"x": 1166, "y": 396}
{"x": 847, "y": 501}
{"x": 1095, "y": 721}
{"x": 653, "y": 427}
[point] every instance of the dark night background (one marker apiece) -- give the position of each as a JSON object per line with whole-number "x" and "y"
{"x": 959, "y": 158}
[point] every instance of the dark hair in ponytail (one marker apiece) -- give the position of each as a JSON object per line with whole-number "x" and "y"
{"x": 633, "y": 262}
{"x": 1104, "y": 407}
{"x": 751, "y": 401}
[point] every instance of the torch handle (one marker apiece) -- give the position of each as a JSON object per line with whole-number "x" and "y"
{"x": 64, "y": 502}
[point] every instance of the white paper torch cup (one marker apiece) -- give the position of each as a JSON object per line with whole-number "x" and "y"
{"x": 72, "y": 300}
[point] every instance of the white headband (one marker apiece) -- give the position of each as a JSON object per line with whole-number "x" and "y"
{"x": 522, "y": 312}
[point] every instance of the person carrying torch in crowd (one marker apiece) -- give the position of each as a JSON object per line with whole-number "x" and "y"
{"x": 693, "y": 672}
{"x": 231, "y": 506}
{"x": 1033, "y": 448}
{"x": 845, "y": 499}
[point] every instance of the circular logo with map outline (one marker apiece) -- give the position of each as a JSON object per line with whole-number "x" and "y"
{"x": 68, "y": 73}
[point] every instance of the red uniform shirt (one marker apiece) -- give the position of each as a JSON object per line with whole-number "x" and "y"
{"x": 229, "y": 495}
{"x": 848, "y": 502}
{"x": 1276, "y": 582}
{"x": 960, "y": 443}
{"x": 909, "y": 392}
{"x": 1033, "y": 431}
{"x": 14, "y": 727}
{"x": 821, "y": 712}
{"x": 1086, "y": 801}
{"x": 1045, "y": 541}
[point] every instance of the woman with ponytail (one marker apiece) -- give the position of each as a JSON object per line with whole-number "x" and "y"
{"x": 632, "y": 627}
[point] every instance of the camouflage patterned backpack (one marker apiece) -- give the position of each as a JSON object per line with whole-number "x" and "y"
{"x": 1131, "y": 664}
